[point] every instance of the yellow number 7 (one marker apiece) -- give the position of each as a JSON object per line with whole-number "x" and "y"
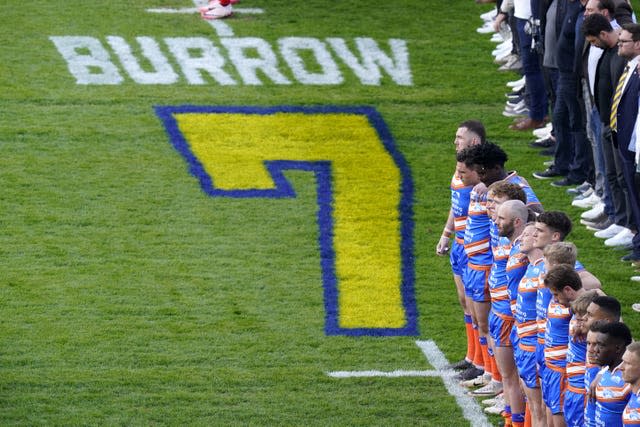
{"x": 364, "y": 192}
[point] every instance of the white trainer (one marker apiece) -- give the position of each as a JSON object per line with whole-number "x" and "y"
{"x": 586, "y": 202}
{"x": 489, "y": 16}
{"x": 495, "y": 409}
{"x": 479, "y": 381}
{"x": 502, "y": 48}
{"x": 609, "y": 232}
{"x": 516, "y": 83}
{"x": 512, "y": 64}
{"x": 503, "y": 57}
{"x": 214, "y": 10}
{"x": 487, "y": 28}
{"x": 491, "y": 389}
{"x": 593, "y": 213}
{"x": 623, "y": 238}
{"x": 494, "y": 400}
{"x": 544, "y": 132}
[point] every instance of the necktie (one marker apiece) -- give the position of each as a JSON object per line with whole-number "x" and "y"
{"x": 613, "y": 118}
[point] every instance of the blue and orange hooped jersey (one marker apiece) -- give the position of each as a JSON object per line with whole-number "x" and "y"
{"x": 631, "y": 414}
{"x": 477, "y": 235}
{"x": 526, "y": 301}
{"x": 612, "y": 396}
{"x": 460, "y": 197}
{"x": 591, "y": 371}
{"x": 543, "y": 299}
{"x": 500, "y": 247}
{"x": 498, "y": 285}
{"x": 556, "y": 338}
{"x": 516, "y": 268}
{"x": 576, "y": 360}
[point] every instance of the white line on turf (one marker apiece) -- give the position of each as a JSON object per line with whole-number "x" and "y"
{"x": 187, "y": 10}
{"x": 221, "y": 28}
{"x": 470, "y": 408}
{"x": 392, "y": 374}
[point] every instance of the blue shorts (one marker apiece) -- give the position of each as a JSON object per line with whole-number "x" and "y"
{"x": 476, "y": 283}
{"x": 553, "y": 384}
{"x": 514, "y": 336}
{"x": 574, "y": 408}
{"x": 526, "y": 364}
{"x": 540, "y": 358}
{"x": 458, "y": 259}
{"x": 500, "y": 330}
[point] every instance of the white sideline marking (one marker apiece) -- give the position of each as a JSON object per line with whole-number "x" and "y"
{"x": 392, "y": 374}
{"x": 221, "y": 28}
{"x": 187, "y": 10}
{"x": 470, "y": 408}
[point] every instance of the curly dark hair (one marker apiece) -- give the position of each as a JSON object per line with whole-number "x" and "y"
{"x": 486, "y": 155}
{"x": 618, "y": 332}
{"x": 557, "y": 221}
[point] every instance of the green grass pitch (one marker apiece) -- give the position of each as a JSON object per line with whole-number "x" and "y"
{"x": 129, "y": 295}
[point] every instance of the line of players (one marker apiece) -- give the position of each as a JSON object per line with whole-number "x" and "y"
{"x": 532, "y": 311}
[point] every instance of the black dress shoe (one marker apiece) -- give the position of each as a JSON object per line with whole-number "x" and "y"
{"x": 564, "y": 182}
{"x": 550, "y": 172}
{"x": 545, "y": 143}
{"x": 630, "y": 257}
{"x": 551, "y": 151}
{"x": 460, "y": 365}
{"x": 470, "y": 373}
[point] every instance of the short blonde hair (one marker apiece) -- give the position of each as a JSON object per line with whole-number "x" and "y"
{"x": 634, "y": 348}
{"x": 561, "y": 253}
{"x": 509, "y": 189}
{"x": 580, "y": 304}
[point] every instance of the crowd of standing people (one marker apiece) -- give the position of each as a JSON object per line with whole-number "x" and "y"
{"x": 579, "y": 94}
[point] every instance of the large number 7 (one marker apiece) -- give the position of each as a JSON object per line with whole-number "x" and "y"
{"x": 365, "y": 196}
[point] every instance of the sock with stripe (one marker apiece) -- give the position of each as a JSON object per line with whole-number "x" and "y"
{"x": 486, "y": 359}
{"x": 471, "y": 341}
{"x": 477, "y": 358}
{"x": 506, "y": 414}
{"x": 517, "y": 420}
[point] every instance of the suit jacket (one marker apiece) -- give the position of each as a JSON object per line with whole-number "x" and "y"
{"x": 608, "y": 73}
{"x": 622, "y": 12}
{"x": 626, "y": 115}
{"x": 566, "y": 55}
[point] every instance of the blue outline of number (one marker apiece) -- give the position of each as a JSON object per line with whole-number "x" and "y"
{"x": 322, "y": 171}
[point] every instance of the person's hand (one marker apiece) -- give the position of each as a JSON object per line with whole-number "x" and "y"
{"x": 591, "y": 391}
{"x": 498, "y": 21}
{"x": 480, "y": 188}
{"x": 443, "y": 246}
